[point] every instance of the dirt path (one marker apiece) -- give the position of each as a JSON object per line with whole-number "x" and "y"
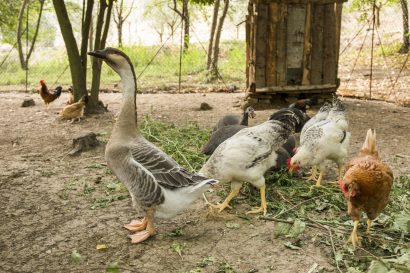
{"x": 51, "y": 204}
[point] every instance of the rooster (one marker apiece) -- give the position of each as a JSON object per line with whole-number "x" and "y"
{"x": 366, "y": 185}
{"x": 47, "y": 96}
{"x": 327, "y": 139}
{"x": 74, "y": 111}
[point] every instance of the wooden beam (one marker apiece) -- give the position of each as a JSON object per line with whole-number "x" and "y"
{"x": 271, "y": 50}
{"x": 307, "y": 46}
{"x": 319, "y": 2}
{"x": 339, "y": 8}
{"x": 298, "y": 88}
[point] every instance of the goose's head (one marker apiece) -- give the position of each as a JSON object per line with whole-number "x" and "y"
{"x": 115, "y": 58}
{"x": 251, "y": 112}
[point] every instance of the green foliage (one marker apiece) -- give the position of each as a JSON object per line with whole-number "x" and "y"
{"x": 181, "y": 143}
{"x": 162, "y": 72}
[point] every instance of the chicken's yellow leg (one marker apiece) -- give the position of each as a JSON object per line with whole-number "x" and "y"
{"x": 232, "y": 194}
{"x": 369, "y": 224}
{"x": 319, "y": 178}
{"x": 353, "y": 237}
{"x": 149, "y": 230}
{"x": 263, "y": 207}
{"x": 313, "y": 174}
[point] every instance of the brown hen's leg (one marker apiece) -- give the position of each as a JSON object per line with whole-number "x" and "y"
{"x": 354, "y": 239}
{"x": 369, "y": 224}
{"x": 149, "y": 230}
{"x": 263, "y": 207}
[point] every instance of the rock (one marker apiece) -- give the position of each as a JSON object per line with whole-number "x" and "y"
{"x": 205, "y": 107}
{"x": 83, "y": 142}
{"x": 28, "y": 103}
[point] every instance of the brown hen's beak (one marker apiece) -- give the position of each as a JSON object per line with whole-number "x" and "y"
{"x": 102, "y": 54}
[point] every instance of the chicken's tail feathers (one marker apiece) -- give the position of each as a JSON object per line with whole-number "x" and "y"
{"x": 369, "y": 144}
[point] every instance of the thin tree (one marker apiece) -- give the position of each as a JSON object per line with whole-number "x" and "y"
{"x": 24, "y": 60}
{"x": 77, "y": 59}
{"x": 215, "y": 54}
{"x": 405, "y": 13}
{"x": 120, "y": 15}
{"x": 211, "y": 37}
{"x": 184, "y": 14}
{"x": 101, "y": 33}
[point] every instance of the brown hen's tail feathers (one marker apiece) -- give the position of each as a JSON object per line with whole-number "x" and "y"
{"x": 369, "y": 145}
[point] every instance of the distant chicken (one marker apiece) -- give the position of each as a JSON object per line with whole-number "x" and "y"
{"x": 74, "y": 111}
{"x": 303, "y": 103}
{"x": 70, "y": 96}
{"x": 327, "y": 139}
{"x": 47, "y": 96}
{"x": 229, "y": 120}
{"x": 366, "y": 185}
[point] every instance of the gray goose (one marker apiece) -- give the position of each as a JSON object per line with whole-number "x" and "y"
{"x": 156, "y": 183}
{"x": 235, "y": 119}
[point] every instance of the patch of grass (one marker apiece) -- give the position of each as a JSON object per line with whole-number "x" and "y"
{"x": 183, "y": 144}
{"x": 162, "y": 71}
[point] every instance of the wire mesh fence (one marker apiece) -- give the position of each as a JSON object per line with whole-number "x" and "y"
{"x": 161, "y": 66}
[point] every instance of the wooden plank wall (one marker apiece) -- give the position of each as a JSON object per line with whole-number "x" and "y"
{"x": 281, "y": 47}
{"x": 271, "y": 51}
{"x": 316, "y": 73}
{"x": 261, "y": 41}
{"x": 329, "y": 46}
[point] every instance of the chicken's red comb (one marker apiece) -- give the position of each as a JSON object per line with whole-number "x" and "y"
{"x": 41, "y": 81}
{"x": 342, "y": 187}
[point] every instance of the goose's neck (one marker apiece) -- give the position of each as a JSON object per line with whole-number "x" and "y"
{"x": 126, "y": 124}
{"x": 245, "y": 118}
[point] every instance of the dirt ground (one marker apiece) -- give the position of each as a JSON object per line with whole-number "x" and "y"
{"x": 47, "y": 197}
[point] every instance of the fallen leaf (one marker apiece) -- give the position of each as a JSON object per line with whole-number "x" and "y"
{"x": 101, "y": 246}
{"x": 291, "y": 246}
{"x": 232, "y": 225}
{"x": 75, "y": 256}
{"x": 177, "y": 247}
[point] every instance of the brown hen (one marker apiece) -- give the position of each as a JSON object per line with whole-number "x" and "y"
{"x": 366, "y": 185}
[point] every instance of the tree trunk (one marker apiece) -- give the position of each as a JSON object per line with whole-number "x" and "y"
{"x": 405, "y": 12}
{"x": 85, "y": 32}
{"x": 74, "y": 58}
{"x": 93, "y": 105}
{"x": 119, "y": 28}
{"x": 214, "y": 63}
{"x": 211, "y": 37}
{"x": 24, "y": 61}
{"x": 185, "y": 17}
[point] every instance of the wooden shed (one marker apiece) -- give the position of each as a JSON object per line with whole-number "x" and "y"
{"x": 292, "y": 46}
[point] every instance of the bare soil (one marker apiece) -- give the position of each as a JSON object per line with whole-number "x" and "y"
{"x": 47, "y": 197}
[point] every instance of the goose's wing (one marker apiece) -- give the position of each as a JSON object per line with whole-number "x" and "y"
{"x": 166, "y": 171}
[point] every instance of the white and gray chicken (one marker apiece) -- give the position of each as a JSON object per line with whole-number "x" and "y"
{"x": 246, "y": 156}
{"x": 324, "y": 139}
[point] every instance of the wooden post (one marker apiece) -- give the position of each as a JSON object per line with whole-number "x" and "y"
{"x": 261, "y": 42}
{"x": 339, "y": 7}
{"x": 329, "y": 49}
{"x": 316, "y": 74}
{"x": 281, "y": 47}
{"x": 271, "y": 51}
{"x": 307, "y": 46}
